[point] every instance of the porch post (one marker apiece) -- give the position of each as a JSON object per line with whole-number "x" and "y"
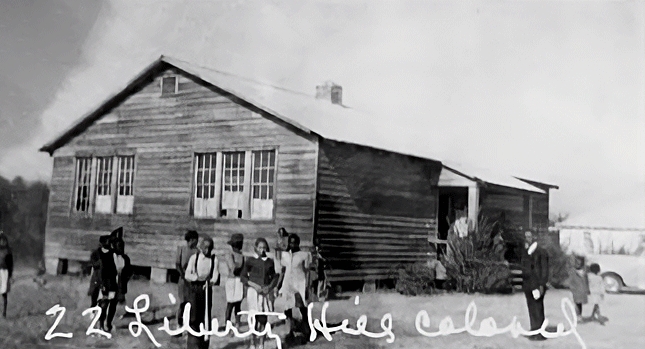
{"x": 473, "y": 204}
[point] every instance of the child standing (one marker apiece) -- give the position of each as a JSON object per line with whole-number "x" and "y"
{"x": 259, "y": 275}
{"x": 6, "y": 270}
{"x": 234, "y": 287}
{"x": 293, "y": 288}
{"x": 596, "y": 292}
{"x": 578, "y": 284}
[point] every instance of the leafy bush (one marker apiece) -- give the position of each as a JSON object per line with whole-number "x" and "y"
{"x": 559, "y": 261}
{"x": 476, "y": 263}
{"x": 414, "y": 279}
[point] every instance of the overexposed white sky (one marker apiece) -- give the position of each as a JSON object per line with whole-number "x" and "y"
{"x": 553, "y": 91}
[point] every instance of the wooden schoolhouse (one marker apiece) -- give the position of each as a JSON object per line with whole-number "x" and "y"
{"x": 188, "y": 147}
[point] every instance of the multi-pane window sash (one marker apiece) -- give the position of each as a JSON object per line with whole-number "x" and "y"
{"x": 205, "y": 201}
{"x": 125, "y": 184}
{"x": 103, "y": 202}
{"x": 233, "y": 193}
{"x": 83, "y": 176}
{"x": 263, "y": 184}
{"x": 234, "y": 185}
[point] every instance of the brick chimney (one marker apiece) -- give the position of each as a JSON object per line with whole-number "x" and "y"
{"x": 331, "y": 92}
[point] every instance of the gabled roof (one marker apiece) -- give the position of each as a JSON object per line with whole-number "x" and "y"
{"x": 303, "y": 111}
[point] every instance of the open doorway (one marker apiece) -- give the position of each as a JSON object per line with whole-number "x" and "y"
{"x": 451, "y": 200}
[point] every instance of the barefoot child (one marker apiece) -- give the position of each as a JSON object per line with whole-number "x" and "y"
{"x": 596, "y": 292}
{"x": 259, "y": 275}
{"x": 6, "y": 270}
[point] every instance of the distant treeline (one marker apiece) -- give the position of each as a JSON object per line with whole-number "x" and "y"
{"x": 23, "y": 215}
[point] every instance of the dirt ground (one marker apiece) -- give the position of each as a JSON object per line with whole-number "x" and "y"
{"x": 27, "y": 323}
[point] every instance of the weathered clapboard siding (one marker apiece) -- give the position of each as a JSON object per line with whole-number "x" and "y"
{"x": 374, "y": 209}
{"x": 164, "y": 132}
{"x": 520, "y": 209}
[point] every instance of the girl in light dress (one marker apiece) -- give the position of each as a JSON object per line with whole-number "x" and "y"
{"x": 259, "y": 275}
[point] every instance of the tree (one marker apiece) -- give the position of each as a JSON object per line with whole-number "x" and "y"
{"x": 558, "y": 218}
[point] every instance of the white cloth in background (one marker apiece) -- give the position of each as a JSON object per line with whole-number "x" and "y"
{"x": 4, "y": 281}
{"x": 232, "y": 200}
{"x": 461, "y": 227}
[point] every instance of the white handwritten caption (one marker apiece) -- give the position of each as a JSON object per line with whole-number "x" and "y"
{"x": 487, "y": 328}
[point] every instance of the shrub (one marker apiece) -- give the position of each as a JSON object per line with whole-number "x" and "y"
{"x": 476, "y": 263}
{"x": 559, "y": 261}
{"x": 414, "y": 279}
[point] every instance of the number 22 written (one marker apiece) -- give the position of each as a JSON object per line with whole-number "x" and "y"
{"x": 57, "y": 309}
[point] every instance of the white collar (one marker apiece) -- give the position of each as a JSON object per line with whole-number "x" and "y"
{"x": 262, "y": 258}
{"x": 532, "y": 248}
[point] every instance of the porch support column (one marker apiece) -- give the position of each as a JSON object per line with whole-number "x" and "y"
{"x": 473, "y": 204}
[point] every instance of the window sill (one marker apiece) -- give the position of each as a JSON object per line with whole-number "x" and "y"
{"x": 226, "y": 220}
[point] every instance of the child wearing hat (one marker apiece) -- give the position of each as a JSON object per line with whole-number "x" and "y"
{"x": 234, "y": 288}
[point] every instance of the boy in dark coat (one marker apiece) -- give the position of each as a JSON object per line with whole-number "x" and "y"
{"x": 535, "y": 275}
{"x": 109, "y": 285}
{"x": 95, "y": 262}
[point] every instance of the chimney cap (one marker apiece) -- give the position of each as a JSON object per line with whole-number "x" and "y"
{"x": 330, "y": 91}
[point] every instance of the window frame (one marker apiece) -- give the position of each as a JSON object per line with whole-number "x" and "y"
{"x": 247, "y": 183}
{"x": 75, "y": 189}
{"x": 94, "y": 182}
{"x": 175, "y": 90}
{"x": 270, "y": 183}
{"x": 111, "y": 184}
{"x": 216, "y": 184}
{"x": 132, "y": 183}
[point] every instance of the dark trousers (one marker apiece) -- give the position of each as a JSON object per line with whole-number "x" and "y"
{"x": 94, "y": 297}
{"x": 536, "y": 310}
{"x": 108, "y": 309}
{"x": 579, "y": 309}
{"x": 182, "y": 290}
{"x": 196, "y": 296}
{"x": 233, "y": 309}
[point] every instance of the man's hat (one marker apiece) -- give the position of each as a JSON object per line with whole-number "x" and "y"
{"x": 236, "y": 239}
{"x": 117, "y": 233}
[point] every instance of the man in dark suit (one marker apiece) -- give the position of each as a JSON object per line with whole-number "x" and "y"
{"x": 535, "y": 275}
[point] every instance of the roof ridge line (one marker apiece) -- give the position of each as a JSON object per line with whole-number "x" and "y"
{"x": 169, "y": 59}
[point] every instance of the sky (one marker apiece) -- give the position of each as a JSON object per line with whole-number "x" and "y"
{"x": 553, "y": 91}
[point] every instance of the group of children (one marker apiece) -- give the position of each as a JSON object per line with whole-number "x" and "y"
{"x": 261, "y": 280}
{"x": 587, "y": 287}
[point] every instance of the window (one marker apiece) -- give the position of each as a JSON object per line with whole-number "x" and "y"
{"x": 125, "y": 184}
{"x": 263, "y": 179}
{"x": 169, "y": 85}
{"x": 205, "y": 201}
{"x": 82, "y": 189}
{"x": 233, "y": 199}
{"x": 235, "y": 185}
{"x": 104, "y": 184}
